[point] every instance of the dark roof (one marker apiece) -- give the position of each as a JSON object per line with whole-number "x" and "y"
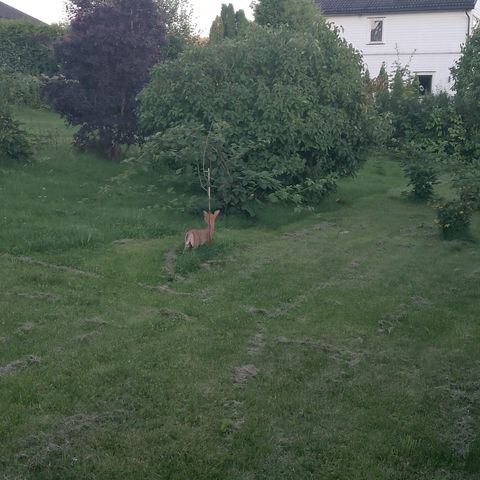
{"x": 366, "y": 7}
{"x": 9, "y": 13}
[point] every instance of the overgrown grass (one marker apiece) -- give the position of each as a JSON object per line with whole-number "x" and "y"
{"x": 122, "y": 357}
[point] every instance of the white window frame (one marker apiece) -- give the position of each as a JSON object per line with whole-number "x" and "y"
{"x": 427, "y": 74}
{"x": 371, "y": 21}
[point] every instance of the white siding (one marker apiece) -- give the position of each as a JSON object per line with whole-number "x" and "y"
{"x": 476, "y": 15}
{"x": 426, "y": 42}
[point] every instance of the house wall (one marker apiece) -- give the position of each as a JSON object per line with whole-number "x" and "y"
{"x": 428, "y": 43}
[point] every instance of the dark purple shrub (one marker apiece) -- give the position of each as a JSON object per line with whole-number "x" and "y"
{"x": 104, "y": 60}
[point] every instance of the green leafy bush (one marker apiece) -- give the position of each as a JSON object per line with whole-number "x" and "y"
{"x": 467, "y": 183}
{"x": 14, "y": 144}
{"x": 277, "y": 115}
{"x": 453, "y": 218}
{"x": 420, "y": 167}
{"x": 21, "y": 89}
{"x": 27, "y": 48}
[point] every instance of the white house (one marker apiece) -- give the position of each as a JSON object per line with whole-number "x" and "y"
{"x": 425, "y": 35}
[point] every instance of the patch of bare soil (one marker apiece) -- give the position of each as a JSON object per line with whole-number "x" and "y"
{"x": 256, "y": 344}
{"x": 169, "y": 262}
{"x": 164, "y": 289}
{"x": 48, "y": 296}
{"x": 466, "y": 401}
{"x": 26, "y": 327}
{"x": 244, "y": 373}
{"x": 38, "y": 449}
{"x": 95, "y": 321}
{"x": 85, "y": 337}
{"x": 282, "y": 309}
{"x": 420, "y": 301}
{"x": 123, "y": 241}
{"x": 17, "y": 365}
{"x": 319, "y": 227}
{"x": 392, "y": 320}
{"x": 338, "y": 353}
{"x": 235, "y": 419}
{"x": 40, "y": 263}
{"x": 175, "y": 315}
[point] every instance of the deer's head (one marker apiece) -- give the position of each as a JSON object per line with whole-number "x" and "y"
{"x": 210, "y": 218}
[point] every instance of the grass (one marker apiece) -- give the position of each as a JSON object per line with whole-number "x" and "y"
{"x": 337, "y": 344}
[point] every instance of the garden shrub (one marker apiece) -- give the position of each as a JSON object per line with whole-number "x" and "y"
{"x": 453, "y": 218}
{"x": 27, "y": 48}
{"x": 467, "y": 183}
{"x": 420, "y": 167}
{"x": 277, "y": 115}
{"x": 14, "y": 144}
{"x": 21, "y": 89}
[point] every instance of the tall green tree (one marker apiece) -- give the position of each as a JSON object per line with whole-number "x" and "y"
{"x": 217, "y": 31}
{"x": 179, "y": 24}
{"x": 229, "y": 24}
{"x": 295, "y": 14}
{"x": 241, "y": 22}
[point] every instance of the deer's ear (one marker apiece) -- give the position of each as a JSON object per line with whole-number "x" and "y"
{"x": 205, "y": 213}
{"x": 217, "y": 213}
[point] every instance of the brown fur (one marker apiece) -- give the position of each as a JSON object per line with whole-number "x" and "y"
{"x": 195, "y": 238}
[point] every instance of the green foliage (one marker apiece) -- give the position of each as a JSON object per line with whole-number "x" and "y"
{"x": 14, "y": 144}
{"x": 27, "y": 48}
{"x": 277, "y": 116}
{"x": 229, "y": 24}
{"x": 430, "y": 120}
{"x": 229, "y": 21}
{"x": 179, "y": 24}
{"x": 21, "y": 89}
{"x": 241, "y": 22}
{"x": 421, "y": 168}
{"x": 294, "y": 14}
{"x": 453, "y": 218}
{"x": 467, "y": 183}
{"x": 217, "y": 31}
{"x": 466, "y": 72}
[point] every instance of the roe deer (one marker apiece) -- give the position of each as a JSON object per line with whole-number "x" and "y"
{"x": 195, "y": 238}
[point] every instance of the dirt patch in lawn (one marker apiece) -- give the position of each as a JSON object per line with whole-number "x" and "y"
{"x": 17, "y": 365}
{"x": 39, "y": 449}
{"x": 244, "y": 373}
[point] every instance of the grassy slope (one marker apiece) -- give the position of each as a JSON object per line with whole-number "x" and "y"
{"x": 362, "y": 324}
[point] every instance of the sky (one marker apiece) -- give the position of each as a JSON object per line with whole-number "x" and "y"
{"x": 51, "y": 11}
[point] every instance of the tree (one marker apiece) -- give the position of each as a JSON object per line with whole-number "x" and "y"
{"x": 179, "y": 23}
{"x": 278, "y": 116}
{"x": 104, "y": 60}
{"x": 229, "y": 24}
{"x": 466, "y": 75}
{"x": 466, "y": 72}
{"x": 217, "y": 31}
{"x": 294, "y": 14}
{"x": 241, "y": 22}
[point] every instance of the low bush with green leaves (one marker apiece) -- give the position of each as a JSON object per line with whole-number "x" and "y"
{"x": 14, "y": 143}
{"x": 467, "y": 183}
{"x": 27, "y": 48}
{"x": 21, "y": 89}
{"x": 453, "y": 217}
{"x": 421, "y": 170}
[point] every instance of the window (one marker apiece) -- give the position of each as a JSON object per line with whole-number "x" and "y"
{"x": 425, "y": 83}
{"x": 376, "y": 30}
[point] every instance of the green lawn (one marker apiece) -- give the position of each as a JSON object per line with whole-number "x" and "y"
{"x": 337, "y": 344}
